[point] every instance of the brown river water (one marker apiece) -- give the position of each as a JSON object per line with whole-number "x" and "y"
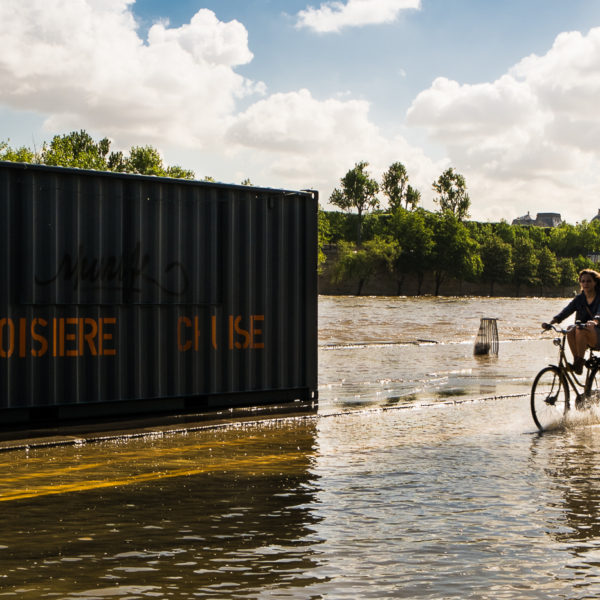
{"x": 421, "y": 476}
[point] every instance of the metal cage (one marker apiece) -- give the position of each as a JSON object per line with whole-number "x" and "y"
{"x": 486, "y": 341}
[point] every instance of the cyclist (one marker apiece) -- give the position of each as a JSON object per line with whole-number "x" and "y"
{"x": 586, "y": 305}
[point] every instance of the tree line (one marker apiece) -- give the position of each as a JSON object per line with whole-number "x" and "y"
{"x": 79, "y": 150}
{"x": 406, "y": 240}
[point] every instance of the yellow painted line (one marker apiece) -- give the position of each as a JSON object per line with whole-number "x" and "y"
{"x": 94, "y": 485}
{"x": 81, "y": 486}
{"x": 38, "y": 467}
{"x": 53, "y": 473}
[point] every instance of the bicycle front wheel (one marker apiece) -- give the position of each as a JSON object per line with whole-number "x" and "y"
{"x": 549, "y": 398}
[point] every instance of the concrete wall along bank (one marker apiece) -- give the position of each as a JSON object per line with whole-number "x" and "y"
{"x": 124, "y": 293}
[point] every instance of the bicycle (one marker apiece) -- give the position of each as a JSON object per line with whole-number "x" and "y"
{"x": 550, "y": 392}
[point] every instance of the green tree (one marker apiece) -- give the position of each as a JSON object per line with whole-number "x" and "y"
{"x": 324, "y": 236}
{"x": 21, "y": 154}
{"x": 79, "y": 150}
{"x": 177, "y": 172}
{"x": 144, "y": 160}
{"x": 496, "y": 256}
{"x": 384, "y": 252}
{"x": 505, "y": 232}
{"x": 548, "y": 271}
{"x": 412, "y": 197}
{"x": 455, "y": 252}
{"x": 582, "y": 262}
{"x": 590, "y": 237}
{"x": 415, "y": 236}
{"x": 568, "y": 272}
{"x": 564, "y": 240}
{"x": 117, "y": 161}
{"x": 76, "y": 149}
{"x": 375, "y": 256}
{"x": 352, "y": 263}
{"x": 339, "y": 226}
{"x": 358, "y": 191}
{"x": 451, "y": 188}
{"x": 393, "y": 185}
{"x": 525, "y": 263}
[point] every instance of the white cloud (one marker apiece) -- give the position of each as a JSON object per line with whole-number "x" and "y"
{"x": 527, "y": 141}
{"x": 530, "y": 138}
{"x": 206, "y": 39}
{"x": 304, "y": 142}
{"x": 296, "y": 122}
{"x": 333, "y": 16}
{"x": 83, "y": 62}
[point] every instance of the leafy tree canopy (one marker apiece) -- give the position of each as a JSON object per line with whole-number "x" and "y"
{"x": 79, "y": 150}
{"x": 548, "y": 271}
{"x": 76, "y": 149}
{"x": 451, "y": 188}
{"x": 21, "y": 154}
{"x": 396, "y": 187}
{"x": 358, "y": 191}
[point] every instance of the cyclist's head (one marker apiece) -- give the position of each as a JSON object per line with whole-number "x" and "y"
{"x": 590, "y": 274}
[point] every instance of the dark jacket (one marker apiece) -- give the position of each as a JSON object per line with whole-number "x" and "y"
{"x": 584, "y": 311}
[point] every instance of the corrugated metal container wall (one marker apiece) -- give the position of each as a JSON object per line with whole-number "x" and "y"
{"x": 120, "y": 288}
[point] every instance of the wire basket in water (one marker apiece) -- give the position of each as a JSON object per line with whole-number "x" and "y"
{"x": 487, "y": 338}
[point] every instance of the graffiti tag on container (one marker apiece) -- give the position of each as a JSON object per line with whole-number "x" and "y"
{"x": 127, "y": 272}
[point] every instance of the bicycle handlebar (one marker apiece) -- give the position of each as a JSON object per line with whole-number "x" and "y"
{"x": 549, "y": 326}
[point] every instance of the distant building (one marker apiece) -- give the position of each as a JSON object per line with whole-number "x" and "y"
{"x": 541, "y": 220}
{"x": 524, "y": 220}
{"x": 597, "y": 217}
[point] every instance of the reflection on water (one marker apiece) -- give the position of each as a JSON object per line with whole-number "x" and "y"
{"x": 217, "y": 514}
{"x": 570, "y": 459}
{"x": 423, "y": 476}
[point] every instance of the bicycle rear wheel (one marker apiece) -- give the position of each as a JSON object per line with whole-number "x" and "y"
{"x": 592, "y": 386}
{"x": 549, "y": 398}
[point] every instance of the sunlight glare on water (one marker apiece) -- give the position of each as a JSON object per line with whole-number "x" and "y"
{"x": 422, "y": 476}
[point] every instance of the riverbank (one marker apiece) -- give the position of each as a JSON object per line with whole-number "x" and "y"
{"x": 384, "y": 284}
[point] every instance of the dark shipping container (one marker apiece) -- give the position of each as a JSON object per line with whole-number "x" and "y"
{"x": 130, "y": 294}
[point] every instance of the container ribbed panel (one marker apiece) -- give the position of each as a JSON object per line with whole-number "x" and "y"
{"x": 119, "y": 288}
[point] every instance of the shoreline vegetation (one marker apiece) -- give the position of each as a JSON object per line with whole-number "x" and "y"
{"x": 423, "y": 253}
{"x": 406, "y": 250}
{"x": 383, "y": 285}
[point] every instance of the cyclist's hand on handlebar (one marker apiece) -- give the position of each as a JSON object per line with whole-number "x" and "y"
{"x": 546, "y": 326}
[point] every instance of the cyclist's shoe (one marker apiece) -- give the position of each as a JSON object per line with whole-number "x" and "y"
{"x": 578, "y": 365}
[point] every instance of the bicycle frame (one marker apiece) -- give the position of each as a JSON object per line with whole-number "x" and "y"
{"x": 553, "y": 385}
{"x": 577, "y": 386}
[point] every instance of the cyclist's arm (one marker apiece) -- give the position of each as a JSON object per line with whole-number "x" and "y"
{"x": 566, "y": 311}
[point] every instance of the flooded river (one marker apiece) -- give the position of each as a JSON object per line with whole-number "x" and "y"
{"x": 421, "y": 476}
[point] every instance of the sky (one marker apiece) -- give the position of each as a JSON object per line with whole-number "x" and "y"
{"x": 293, "y": 93}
